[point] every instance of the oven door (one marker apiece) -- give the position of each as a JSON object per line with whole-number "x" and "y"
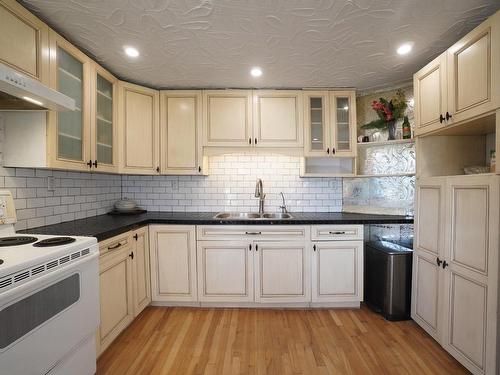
{"x": 44, "y": 319}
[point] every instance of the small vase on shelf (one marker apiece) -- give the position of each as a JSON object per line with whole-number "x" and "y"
{"x": 391, "y": 126}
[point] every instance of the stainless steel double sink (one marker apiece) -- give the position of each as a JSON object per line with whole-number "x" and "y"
{"x": 252, "y": 216}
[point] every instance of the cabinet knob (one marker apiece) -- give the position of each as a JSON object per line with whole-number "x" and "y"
{"x": 131, "y": 255}
{"x": 89, "y": 163}
{"x": 95, "y": 163}
{"x": 445, "y": 264}
{"x": 157, "y": 169}
{"x": 438, "y": 261}
{"x": 256, "y": 247}
{"x": 328, "y": 150}
{"x": 199, "y": 169}
{"x": 314, "y": 247}
{"x": 448, "y": 116}
{"x": 333, "y": 150}
{"x": 250, "y": 247}
{"x": 255, "y": 141}
{"x": 136, "y": 237}
{"x": 441, "y": 118}
{"x": 249, "y": 141}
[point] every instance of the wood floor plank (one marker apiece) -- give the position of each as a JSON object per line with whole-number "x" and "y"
{"x": 195, "y": 341}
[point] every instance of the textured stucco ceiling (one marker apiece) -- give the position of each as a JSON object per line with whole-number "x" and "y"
{"x": 307, "y": 43}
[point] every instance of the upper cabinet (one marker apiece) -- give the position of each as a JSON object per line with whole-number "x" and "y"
{"x": 277, "y": 118}
{"x": 139, "y": 135}
{"x": 181, "y": 149}
{"x": 462, "y": 83}
{"x": 330, "y": 123}
{"x": 430, "y": 95}
{"x": 69, "y": 131}
{"x": 227, "y": 118}
{"x": 104, "y": 134}
{"x": 24, "y": 41}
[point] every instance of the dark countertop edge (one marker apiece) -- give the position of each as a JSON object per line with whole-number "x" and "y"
{"x": 114, "y": 229}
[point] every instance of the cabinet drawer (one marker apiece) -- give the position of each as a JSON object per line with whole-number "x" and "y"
{"x": 251, "y": 232}
{"x": 116, "y": 243}
{"x": 337, "y": 232}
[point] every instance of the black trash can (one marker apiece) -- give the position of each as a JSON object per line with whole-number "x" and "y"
{"x": 388, "y": 278}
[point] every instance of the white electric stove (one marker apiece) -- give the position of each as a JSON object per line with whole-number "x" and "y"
{"x": 49, "y": 300}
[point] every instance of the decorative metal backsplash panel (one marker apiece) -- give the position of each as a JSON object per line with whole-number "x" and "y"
{"x": 384, "y": 195}
{"x": 387, "y": 159}
{"x": 392, "y": 232}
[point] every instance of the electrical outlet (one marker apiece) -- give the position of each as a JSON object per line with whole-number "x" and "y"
{"x": 51, "y": 183}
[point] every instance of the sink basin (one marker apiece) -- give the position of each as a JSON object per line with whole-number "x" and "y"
{"x": 278, "y": 216}
{"x": 252, "y": 216}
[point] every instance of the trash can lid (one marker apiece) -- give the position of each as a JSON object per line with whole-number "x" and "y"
{"x": 392, "y": 247}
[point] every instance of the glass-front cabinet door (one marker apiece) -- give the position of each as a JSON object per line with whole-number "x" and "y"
{"x": 343, "y": 117}
{"x": 103, "y": 122}
{"x": 69, "y": 130}
{"x": 317, "y": 124}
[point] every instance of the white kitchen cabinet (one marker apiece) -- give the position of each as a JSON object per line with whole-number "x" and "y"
{"x": 116, "y": 289}
{"x": 24, "y": 41}
{"x": 456, "y": 266}
{"x": 461, "y": 84}
{"x": 277, "y": 118}
{"x": 141, "y": 270}
{"x": 282, "y": 272}
{"x": 139, "y": 134}
{"x": 330, "y": 123}
{"x": 428, "y": 255}
{"x": 225, "y": 271}
{"x": 227, "y": 118}
{"x": 181, "y": 128}
{"x": 173, "y": 263}
{"x": 337, "y": 271}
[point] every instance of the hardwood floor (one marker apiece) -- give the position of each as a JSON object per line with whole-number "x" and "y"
{"x": 264, "y": 341}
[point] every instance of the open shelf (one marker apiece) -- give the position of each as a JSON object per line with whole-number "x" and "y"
{"x": 385, "y": 143}
{"x": 409, "y": 174}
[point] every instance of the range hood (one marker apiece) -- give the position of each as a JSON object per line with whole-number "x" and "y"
{"x": 21, "y": 93}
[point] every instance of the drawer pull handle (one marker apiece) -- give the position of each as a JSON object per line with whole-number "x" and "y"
{"x": 337, "y": 232}
{"x": 253, "y": 233}
{"x": 113, "y": 247}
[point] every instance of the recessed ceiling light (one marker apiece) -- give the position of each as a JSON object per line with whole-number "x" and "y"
{"x": 256, "y": 72}
{"x": 405, "y": 48}
{"x": 131, "y": 51}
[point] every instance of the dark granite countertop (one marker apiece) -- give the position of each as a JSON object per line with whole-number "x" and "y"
{"x": 106, "y": 226}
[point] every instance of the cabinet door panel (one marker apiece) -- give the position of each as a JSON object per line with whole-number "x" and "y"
{"x": 317, "y": 123}
{"x": 337, "y": 271}
{"x": 282, "y": 272}
{"x": 473, "y": 69}
{"x": 227, "y": 118}
{"x": 278, "y": 118}
{"x": 225, "y": 271}
{"x": 116, "y": 294}
{"x": 173, "y": 263}
{"x": 430, "y": 95}
{"x": 139, "y": 126}
{"x": 181, "y": 127}
{"x": 142, "y": 276}
{"x": 343, "y": 123}
{"x": 430, "y": 206}
{"x": 24, "y": 41}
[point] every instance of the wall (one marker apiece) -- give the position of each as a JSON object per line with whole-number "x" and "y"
{"x": 230, "y": 186}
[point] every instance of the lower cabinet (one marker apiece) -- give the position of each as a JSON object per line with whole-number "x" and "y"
{"x": 225, "y": 271}
{"x": 173, "y": 263}
{"x": 337, "y": 271}
{"x": 282, "y": 272}
{"x": 456, "y": 267}
{"x": 124, "y": 279}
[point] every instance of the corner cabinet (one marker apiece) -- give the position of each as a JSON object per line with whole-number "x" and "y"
{"x": 462, "y": 83}
{"x": 277, "y": 118}
{"x": 24, "y": 41}
{"x": 139, "y": 129}
{"x": 330, "y": 123}
{"x": 456, "y": 267}
{"x": 69, "y": 131}
{"x": 181, "y": 128}
{"x": 104, "y": 124}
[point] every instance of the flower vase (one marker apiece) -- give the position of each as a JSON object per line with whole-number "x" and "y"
{"x": 391, "y": 127}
